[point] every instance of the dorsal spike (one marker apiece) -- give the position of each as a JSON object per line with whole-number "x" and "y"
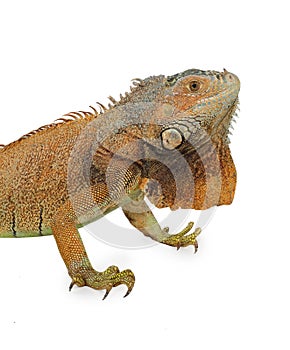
{"x": 71, "y": 115}
{"x": 102, "y": 107}
{"x": 137, "y": 82}
{"x": 61, "y": 120}
{"x": 94, "y": 110}
{"x": 78, "y": 114}
{"x": 114, "y": 101}
{"x": 86, "y": 114}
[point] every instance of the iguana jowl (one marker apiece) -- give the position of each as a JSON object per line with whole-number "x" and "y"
{"x": 166, "y": 139}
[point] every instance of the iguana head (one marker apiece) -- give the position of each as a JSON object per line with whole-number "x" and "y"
{"x": 192, "y": 101}
{"x": 205, "y": 99}
{"x": 191, "y": 154}
{"x": 178, "y": 125}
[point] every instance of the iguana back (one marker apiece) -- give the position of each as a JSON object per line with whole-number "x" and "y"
{"x": 33, "y": 178}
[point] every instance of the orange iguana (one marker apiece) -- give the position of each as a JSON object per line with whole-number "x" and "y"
{"x": 167, "y": 140}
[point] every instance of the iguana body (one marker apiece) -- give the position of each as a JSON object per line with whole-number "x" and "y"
{"x": 64, "y": 175}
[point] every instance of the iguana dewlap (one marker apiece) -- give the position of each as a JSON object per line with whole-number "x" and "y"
{"x": 167, "y": 139}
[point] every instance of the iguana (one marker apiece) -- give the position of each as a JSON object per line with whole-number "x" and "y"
{"x": 166, "y": 140}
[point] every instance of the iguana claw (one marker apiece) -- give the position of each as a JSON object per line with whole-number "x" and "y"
{"x": 71, "y": 285}
{"x": 107, "y": 292}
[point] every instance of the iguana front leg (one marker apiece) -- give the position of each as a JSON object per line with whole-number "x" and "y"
{"x": 140, "y": 216}
{"x": 72, "y": 250}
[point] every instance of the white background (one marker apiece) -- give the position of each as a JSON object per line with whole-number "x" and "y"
{"x": 61, "y": 56}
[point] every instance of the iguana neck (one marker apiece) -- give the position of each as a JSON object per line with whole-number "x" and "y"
{"x": 205, "y": 178}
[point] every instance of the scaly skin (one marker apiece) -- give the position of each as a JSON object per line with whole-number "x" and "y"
{"x": 167, "y": 140}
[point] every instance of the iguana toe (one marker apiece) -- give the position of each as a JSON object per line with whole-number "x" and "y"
{"x": 190, "y": 239}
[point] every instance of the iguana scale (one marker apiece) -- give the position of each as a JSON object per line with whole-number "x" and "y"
{"x": 167, "y": 140}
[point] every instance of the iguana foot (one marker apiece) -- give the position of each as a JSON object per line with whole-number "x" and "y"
{"x": 181, "y": 239}
{"x": 111, "y": 277}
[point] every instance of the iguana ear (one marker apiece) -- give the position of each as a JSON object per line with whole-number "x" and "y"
{"x": 171, "y": 138}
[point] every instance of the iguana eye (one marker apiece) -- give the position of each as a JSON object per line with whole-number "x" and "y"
{"x": 171, "y": 138}
{"x": 194, "y": 86}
